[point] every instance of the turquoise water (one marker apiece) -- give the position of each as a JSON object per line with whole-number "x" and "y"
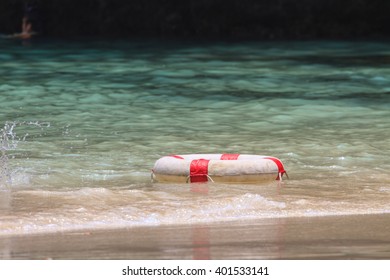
{"x": 82, "y": 123}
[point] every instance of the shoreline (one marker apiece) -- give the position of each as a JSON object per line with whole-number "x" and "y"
{"x": 301, "y": 238}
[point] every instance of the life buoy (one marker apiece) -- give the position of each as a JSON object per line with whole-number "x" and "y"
{"x": 235, "y": 168}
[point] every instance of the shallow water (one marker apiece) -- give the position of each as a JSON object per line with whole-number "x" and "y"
{"x": 331, "y": 237}
{"x": 82, "y": 123}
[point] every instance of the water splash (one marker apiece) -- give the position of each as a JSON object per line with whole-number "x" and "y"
{"x": 8, "y": 142}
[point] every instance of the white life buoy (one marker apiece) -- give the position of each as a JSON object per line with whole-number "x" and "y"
{"x": 235, "y": 168}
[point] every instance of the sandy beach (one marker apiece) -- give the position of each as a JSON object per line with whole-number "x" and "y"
{"x": 332, "y": 237}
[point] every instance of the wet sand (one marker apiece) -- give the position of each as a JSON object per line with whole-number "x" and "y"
{"x": 336, "y": 237}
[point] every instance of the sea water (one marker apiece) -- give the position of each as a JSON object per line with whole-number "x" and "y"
{"x": 82, "y": 123}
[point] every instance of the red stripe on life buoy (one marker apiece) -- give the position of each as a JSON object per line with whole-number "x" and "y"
{"x": 280, "y": 167}
{"x": 199, "y": 169}
{"x": 230, "y": 156}
{"x": 176, "y": 156}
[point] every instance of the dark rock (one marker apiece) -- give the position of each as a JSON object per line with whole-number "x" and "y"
{"x": 217, "y": 19}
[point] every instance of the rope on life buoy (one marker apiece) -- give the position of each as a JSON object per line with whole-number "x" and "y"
{"x": 188, "y": 179}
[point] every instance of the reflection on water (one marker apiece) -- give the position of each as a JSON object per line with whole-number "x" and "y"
{"x": 88, "y": 120}
{"x": 201, "y": 243}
